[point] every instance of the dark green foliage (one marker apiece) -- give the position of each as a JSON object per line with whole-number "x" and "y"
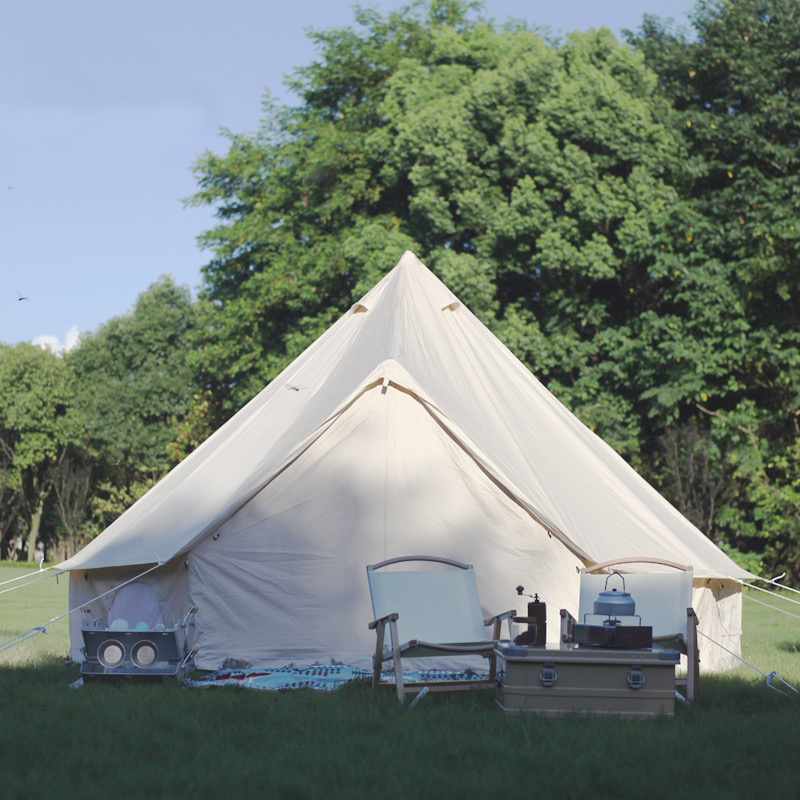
{"x": 736, "y": 90}
{"x": 532, "y": 178}
{"x": 84, "y": 435}
{"x": 135, "y": 387}
{"x": 134, "y": 382}
{"x": 39, "y": 422}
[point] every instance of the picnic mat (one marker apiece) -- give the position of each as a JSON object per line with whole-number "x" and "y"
{"x": 322, "y": 678}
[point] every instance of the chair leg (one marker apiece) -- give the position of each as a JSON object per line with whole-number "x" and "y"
{"x": 377, "y": 659}
{"x": 398, "y": 662}
{"x": 692, "y": 657}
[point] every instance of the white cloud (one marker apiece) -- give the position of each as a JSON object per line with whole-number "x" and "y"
{"x": 51, "y": 343}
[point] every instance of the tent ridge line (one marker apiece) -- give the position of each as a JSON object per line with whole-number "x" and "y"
{"x": 322, "y": 428}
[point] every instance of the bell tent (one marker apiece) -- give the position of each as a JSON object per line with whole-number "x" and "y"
{"x": 406, "y": 428}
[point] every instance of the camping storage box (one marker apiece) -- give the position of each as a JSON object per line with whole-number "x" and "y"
{"x": 132, "y": 654}
{"x": 625, "y": 683}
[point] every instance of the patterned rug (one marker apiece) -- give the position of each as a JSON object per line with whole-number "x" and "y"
{"x": 321, "y": 678}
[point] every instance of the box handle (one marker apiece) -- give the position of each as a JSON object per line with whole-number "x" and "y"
{"x": 635, "y": 678}
{"x": 548, "y": 675}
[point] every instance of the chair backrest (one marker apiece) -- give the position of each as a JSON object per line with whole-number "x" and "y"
{"x": 441, "y": 606}
{"x": 661, "y": 598}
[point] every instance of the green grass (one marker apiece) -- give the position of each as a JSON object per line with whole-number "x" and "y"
{"x": 28, "y": 607}
{"x": 738, "y": 739}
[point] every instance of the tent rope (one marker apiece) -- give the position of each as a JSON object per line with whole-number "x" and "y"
{"x": 774, "y": 582}
{"x": 30, "y": 583}
{"x": 770, "y": 677}
{"x": 27, "y": 575}
{"x": 21, "y": 637}
{"x": 766, "y": 591}
{"x": 774, "y": 608}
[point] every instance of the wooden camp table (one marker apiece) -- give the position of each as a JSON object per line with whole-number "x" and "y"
{"x": 636, "y": 684}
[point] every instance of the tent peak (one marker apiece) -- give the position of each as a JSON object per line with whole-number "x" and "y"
{"x": 408, "y": 278}
{"x": 409, "y": 260}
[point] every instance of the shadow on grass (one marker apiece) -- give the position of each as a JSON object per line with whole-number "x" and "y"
{"x": 740, "y": 693}
{"x": 747, "y": 696}
{"x": 165, "y": 740}
{"x": 788, "y": 647}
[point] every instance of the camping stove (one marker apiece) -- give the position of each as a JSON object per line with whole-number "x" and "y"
{"x": 611, "y": 632}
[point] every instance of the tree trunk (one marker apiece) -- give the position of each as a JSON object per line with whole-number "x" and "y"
{"x": 33, "y": 535}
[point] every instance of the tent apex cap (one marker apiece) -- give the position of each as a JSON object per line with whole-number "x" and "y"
{"x": 409, "y": 259}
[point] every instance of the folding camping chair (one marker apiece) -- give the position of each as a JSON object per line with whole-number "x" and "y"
{"x": 663, "y": 601}
{"x": 430, "y": 613}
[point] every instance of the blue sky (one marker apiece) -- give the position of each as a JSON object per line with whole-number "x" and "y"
{"x": 104, "y": 107}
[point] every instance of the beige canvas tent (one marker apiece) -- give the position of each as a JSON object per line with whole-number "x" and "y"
{"x": 406, "y": 428}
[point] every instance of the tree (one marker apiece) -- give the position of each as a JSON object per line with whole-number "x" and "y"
{"x": 622, "y": 218}
{"x": 533, "y": 177}
{"x": 72, "y": 486}
{"x": 38, "y": 422}
{"x": 736, "y": 90}
{"x": 135, "y": 387}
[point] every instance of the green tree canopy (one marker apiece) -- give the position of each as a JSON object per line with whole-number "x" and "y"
{"x": 38, "y": 421}
{"x": 735, "y": 88}
{"x": 534, "y": 178}
{"x": 135, "y": 387}
{"x": 624, "y": 219}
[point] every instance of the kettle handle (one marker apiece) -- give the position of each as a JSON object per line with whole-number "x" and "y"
{"x": 611, "y": 576}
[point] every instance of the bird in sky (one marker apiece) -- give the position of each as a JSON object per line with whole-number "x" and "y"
{"x": 21, "y": 297}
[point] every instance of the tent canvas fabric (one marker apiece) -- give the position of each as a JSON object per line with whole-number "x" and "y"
{"x": 406, "y": 428}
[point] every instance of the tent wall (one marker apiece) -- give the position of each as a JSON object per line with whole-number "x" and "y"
{"x": 406, "y": 428}
{"x": 718, "y": 604}
{"x": 575, "y": 484}
{"x": 284, "y": 579}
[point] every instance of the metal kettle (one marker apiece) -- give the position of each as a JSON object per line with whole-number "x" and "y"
{"x": 615, "y": 603}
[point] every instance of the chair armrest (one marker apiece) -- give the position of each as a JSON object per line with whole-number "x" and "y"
{"x": 671, "y": 637}
{"x": 680, "y": 636}
{"x": 383, "y": 620}
{"x": 499, "y": 617}
{"x": 497, "y": 621}
{"x": 379, "y": 626}
{"x": 567, "y": 623}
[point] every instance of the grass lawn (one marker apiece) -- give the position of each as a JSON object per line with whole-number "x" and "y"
{"x": 739, "y": 739}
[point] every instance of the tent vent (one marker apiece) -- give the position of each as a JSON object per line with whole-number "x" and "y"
{"x": 451, "y": 306}
{"x": 358, "y": 308}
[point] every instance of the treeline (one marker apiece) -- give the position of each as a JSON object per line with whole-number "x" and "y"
{"x": 85, "y": 435}
{"x": 624, "y": 215}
